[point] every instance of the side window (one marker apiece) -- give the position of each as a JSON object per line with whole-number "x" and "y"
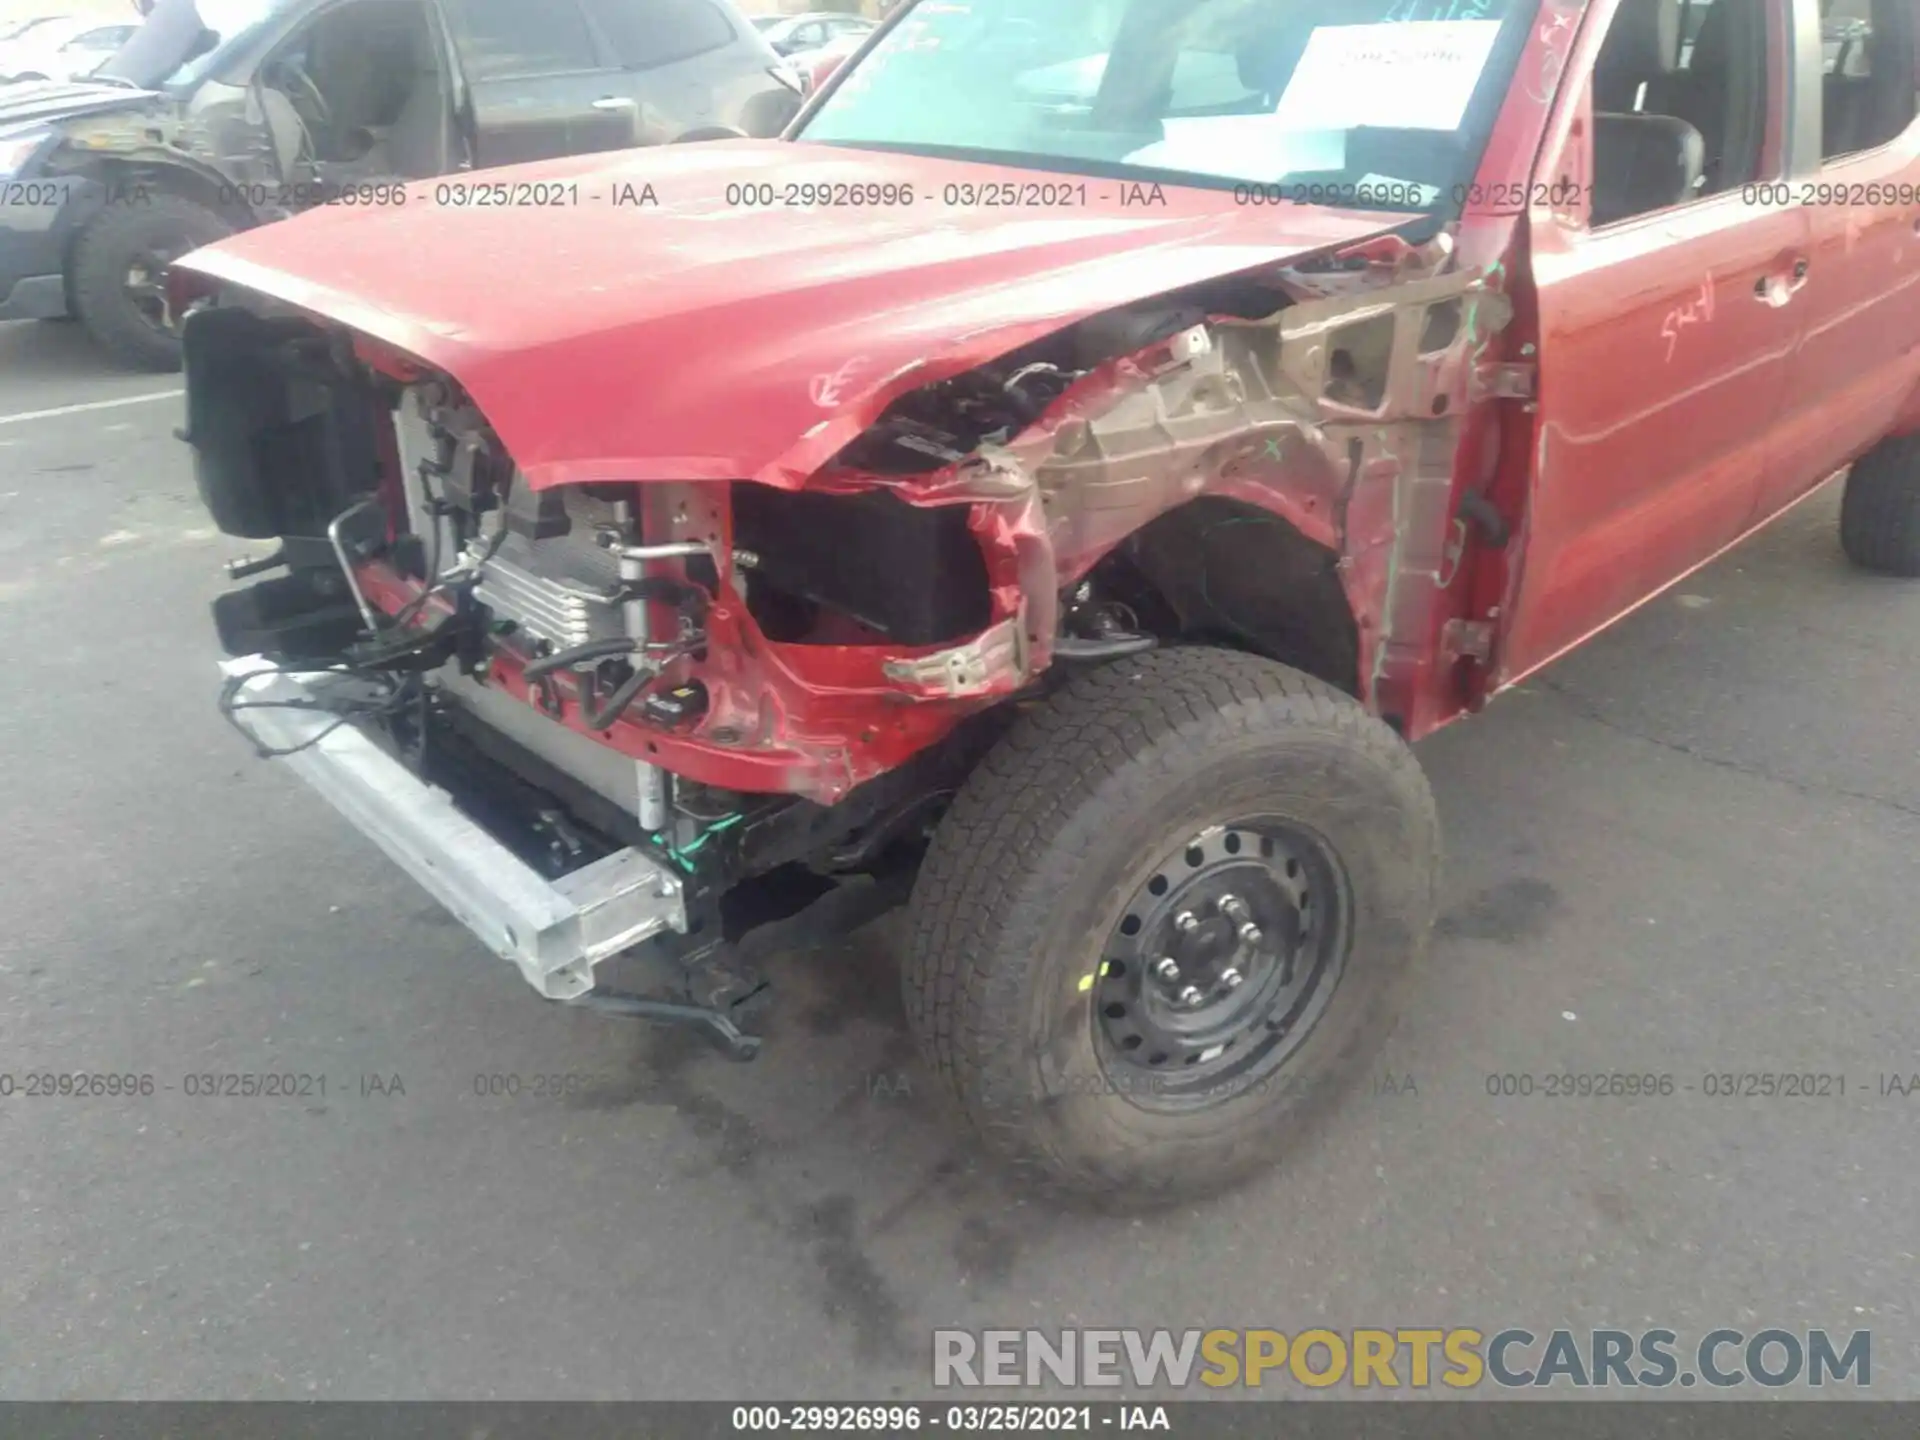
{"x": 501, "y": 39}
{"x": 661, "y": 31}
{"x": 1867, "y": 93}
{"x": 1690, "y": 27}
{"x": 1680, "y": 96}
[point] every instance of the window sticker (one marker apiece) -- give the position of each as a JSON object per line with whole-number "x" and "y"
{"x": 1417, "y": 75}
{"x": 1242, "y": 147}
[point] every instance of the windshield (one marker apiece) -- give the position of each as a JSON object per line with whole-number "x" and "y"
{"x": 1386, "y": 102}
{"x": 183, "y": 40}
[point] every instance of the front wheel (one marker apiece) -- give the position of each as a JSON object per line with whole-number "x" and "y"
{"x": 119, "y": 275}
{"x": 1165, "y": 919}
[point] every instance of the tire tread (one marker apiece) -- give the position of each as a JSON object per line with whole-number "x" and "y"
{"x": 1880, "y": 512}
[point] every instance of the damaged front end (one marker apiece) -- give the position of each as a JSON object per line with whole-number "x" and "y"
{"x": 594, "y": 713}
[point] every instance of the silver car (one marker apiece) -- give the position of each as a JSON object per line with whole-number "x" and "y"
{"x": 61, "y": 48}
{"x": 795, "y": 34}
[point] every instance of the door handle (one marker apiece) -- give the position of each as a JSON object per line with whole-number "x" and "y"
{"x": 1778, "y": 287}
{"x": 616, "y": 102}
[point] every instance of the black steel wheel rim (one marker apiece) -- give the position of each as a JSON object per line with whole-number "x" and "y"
{"x": 1221, "y": 964}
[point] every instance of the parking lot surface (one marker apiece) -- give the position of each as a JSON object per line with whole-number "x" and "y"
{"x": 1689, "y": 849}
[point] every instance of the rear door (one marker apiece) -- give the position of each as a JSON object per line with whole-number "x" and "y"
{"x": 1860, "y": 188}
{"x": 541, "y": 82}
{"x": 687, "y": 63}
{"x": 1667, "y": 315}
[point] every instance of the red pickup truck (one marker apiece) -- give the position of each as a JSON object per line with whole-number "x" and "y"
{"x": 1061, "y": 475}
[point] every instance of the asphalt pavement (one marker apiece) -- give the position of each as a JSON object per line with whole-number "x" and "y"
{"x": 1688, "y": 849}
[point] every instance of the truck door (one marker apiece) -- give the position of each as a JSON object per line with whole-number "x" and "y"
{"x": 539, "y": 81}
{"x": 1667, "y": 313}
{"x": 1859, "y": 355}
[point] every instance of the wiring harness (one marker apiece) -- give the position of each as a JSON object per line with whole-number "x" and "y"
{"x": 392, "y": 695}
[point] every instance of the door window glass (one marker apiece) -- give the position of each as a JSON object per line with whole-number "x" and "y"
{"x": 1867, "y": 92}
{"x": 661, "y": 31}
{"x": 499, "y": 38}
{"x": 1680, "y": 98}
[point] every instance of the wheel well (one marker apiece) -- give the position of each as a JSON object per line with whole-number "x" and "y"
{"x": 126, "y": 182}
{"x": 1222, "y": 572}
{"x": 207, "y": 192}
{"x": 132, "y": 180}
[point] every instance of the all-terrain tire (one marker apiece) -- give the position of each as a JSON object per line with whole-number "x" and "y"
{"x": 1880, "y": 512}
{"x": 107, "y": 250}
{"x": 1050, "y": 840}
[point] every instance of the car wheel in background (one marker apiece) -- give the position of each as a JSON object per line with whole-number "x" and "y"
{"x": 118, "y": 279}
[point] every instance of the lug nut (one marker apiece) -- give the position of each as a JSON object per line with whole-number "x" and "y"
{"x": 1167, "y": 969}
{"x": 1250, "y": 934}
{"x": 1234, "y": 908}
{"x": 1185, "y": 921}
{"x": 1191, "y": 996}
{"x": 1232, "y": 979}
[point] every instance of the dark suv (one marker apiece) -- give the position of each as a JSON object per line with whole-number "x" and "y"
{"x": 223, "y": 114}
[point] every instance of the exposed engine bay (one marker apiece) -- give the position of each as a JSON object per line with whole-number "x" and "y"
{"x": 740, "y": 680}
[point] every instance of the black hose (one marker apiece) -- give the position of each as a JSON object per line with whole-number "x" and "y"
{"x": 1492, "y": 523}
{"x": 617, "y": 703}
{"x": 689, "y": 599}
{"x": 1074, "y": 649}
{"x": 606, "y": 649}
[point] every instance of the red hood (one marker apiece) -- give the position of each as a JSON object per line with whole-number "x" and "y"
{"x": 698, "y": 340}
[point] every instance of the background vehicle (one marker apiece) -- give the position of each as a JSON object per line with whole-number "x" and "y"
{"x": 792, "y": 34}
{"x": 816, "y": 66}
{"x": 18, "y": 29}
{"x": 1084, "y": 524}
{"x": 218, "y": 115}
{"x": 62, "y": 49}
